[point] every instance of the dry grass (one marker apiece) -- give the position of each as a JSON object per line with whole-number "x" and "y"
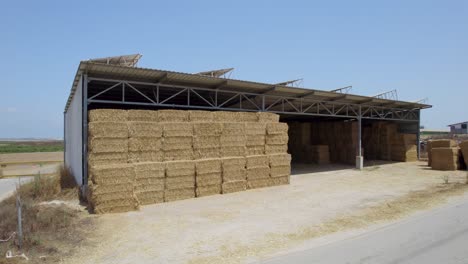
{"x": 386, "y": 211}
{"x": 49, "y": 231}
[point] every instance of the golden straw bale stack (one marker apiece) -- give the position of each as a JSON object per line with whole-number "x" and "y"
{"x": 226, "y": 116}
{"x": 178, "y": 141}
{"x": 443, "y": 143}
{"x": 177, "y": 129}
{"x": 144, "y": 144}
{"x": 149, "y": 182}
{"x": 234, "y": 169}
{"x": 255, "y": 138}
{"x": 248, "y": 117}
{"x": 111, "y": 188}
{"x": 280, "y": 167}
{"x": 107, "y": 130}
{"x": 180, "y": 180}
{"x": 464, "y": 150}
{"x": 277, "y": 128}
{"x": 201, "y": 116}
{"x": 257, "y": 167}
{"x": 445, "y": 158}
{"x": 143, "y": 116}
{"x": 173, "y": 116}
{"x": 107, "y": 115}
{"x": 233, "y": 140}
{"x": 266, "y": 117}
{"x": 276, "y": 138}
{"x": 207, "y": 129}
{"x": 208, "y": 177}
{"x": 205, "y": 147}
{"x": 145, "y": 156}
{"x": 259, "y": 183}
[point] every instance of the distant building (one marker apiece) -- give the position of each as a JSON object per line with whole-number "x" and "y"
{"x": 459, "y": 128}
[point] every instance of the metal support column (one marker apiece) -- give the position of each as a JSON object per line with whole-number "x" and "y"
{"x": 359, "y": 158}
{"x": 85, "y": 134}
{"x": 418, "y": 135}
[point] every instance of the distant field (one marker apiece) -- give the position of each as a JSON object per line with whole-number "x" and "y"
{"x": 31, "y": 146}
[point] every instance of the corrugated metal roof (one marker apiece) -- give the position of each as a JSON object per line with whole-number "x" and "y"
{"x": 94, "y": 69}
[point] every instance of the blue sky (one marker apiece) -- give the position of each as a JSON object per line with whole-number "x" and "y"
{"x": 418, "y": 47}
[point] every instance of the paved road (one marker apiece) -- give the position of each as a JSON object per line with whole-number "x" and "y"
{"x": 8, "y": 186}
{"x": 438, "y": 236}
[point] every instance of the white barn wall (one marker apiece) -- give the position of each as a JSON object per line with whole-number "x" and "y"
{"x": 73, "y": 135}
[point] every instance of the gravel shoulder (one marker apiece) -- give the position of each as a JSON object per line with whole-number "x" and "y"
{"x": 253, "y": 225}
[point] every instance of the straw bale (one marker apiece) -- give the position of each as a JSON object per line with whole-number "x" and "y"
{"x": 149, "y": 184}
{"x": 107, "y": 158}
{"x": 109, "y": 115}
{"x": 225, "y": 116}
{"x": 107, "y": 198}
{"x": 145, "y": 129}
{"x": 144, "y": 144}
{"x": 107, "y": 130}
{"x": 234, "y": 175}
{"x": 232, "y": 140}
{"x": 177, "y": 129}
{"x": 233, "y": 163}
{"x": 280, "y": 180}
{"x": 207, "y": 179}
{"x": 255, "y": 150}
{"x": 274, "y": 149}
{"x": 234, "y": 186}
{"x": 106, "y": 145}
{"x": 230, "y": 128}
{"x": 178, "y": 155}
{"x": 255, "y": 140}
{"x": 445, "y": 158}
{"x": 280, "y": 171}
{"x": 116, "y": 206}
{"x": 257, "y": 161}
{"x": 266, "y": 117}
{"x": 429, "y": 156}
{"x": 443, "y": 143}
{"x": 208, "y": 190}
{"x": 145, "y": 156}
{"x": 202, "y": 142}
{"x": 255, "y": 128}
{"x": 173, "y": 116}
{"x": 206, "y": 153}
{"x": 259, "y": 183}
{"x": 233, "y": 169}
{"x": 112, "y": 174}
{"x": 258, "y": 173}
{"x": 145, "y": 198}
{"x": 181, "y": 182}
{"x": 150, "y": 170}
{"x": 277, "y": 128}
{"x": 277, "y": 139}
{"x": 247, "y": 117}
{"x": 208, "y": 166}
{"x": 179, "y": 194}
{"x": 177, "y": 143}
{"x": 233, "y": 151}
{"x": 207, "y": 129}
{"x": 180, "y": 168}
{"x": 107, "y": 189}
{"x": 280, "y": 160}
{"x": 201, "y": 116}
{"x": 143, "y": 115}
{"x": 464, "y": 150}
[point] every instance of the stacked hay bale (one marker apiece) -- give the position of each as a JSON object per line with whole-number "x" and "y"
{"x": 111, "y": 188}
{"x": 234, "y": 174}
{"x": 208, "y": 177}
{"x": 145, "y": 157}
{"x": 180, "y": 180}
{"x": 178, "y": 141}
{"x": 149, "y": 182}
{"x": 280, "y": 168}
{"x": 107, "y": 137}
{"x": 255, "y": 138}
{"x": 276, "y": 138}
{"x": 464, "y": 150}
{"x": 206, "y": 140}
{"x": 444, "y": 155}
{"x": 145, "y": 141}
{"x": 445, "y": 159}
{"x": 440, "y": 143}
{"x": 404, "y": 148}
{"x": 258, "y": 171}
{"x": 233, "y": 140}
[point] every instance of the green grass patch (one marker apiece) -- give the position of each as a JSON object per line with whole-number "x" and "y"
{"x": 31, "y": 146}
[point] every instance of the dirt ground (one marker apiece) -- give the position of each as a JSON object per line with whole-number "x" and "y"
{"x": 256, "y": 224}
